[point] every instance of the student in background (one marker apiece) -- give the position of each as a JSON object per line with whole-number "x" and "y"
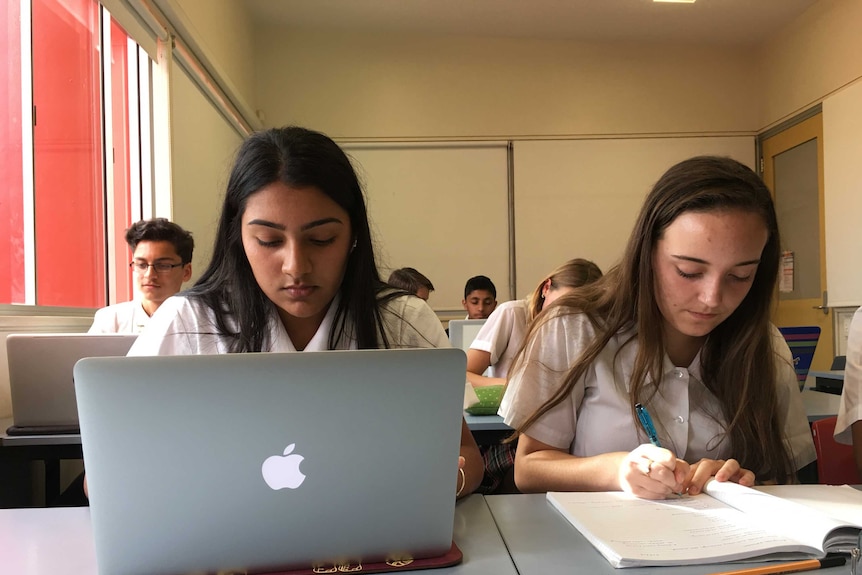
{"x": 682, "y": 326}
{"x": 293, "y": 270}
{"x": 480, "y": 297}
{"x": 161, "y": 263}
{"x": 411, "y": 281}
{"x": 500, "y": 339}
{"x": 848, "y": 427}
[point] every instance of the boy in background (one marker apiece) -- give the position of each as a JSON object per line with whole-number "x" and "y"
{"x": 161, "y": 263}
{"x": 411, "y": 281}
{"x": 480, "y": 297}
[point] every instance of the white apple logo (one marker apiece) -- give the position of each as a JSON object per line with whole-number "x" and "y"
{"x": 282, "y": 472}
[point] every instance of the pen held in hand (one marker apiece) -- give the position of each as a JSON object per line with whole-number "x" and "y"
{"x": 647, "y": 424}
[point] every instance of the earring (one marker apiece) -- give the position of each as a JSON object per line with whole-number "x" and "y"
{"x": 353, "y": 247}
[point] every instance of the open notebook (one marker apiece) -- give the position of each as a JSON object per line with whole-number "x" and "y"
{"x": 726, "y": 523}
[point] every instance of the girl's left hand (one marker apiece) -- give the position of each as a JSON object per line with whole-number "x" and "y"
{"x": 722, "y": 470}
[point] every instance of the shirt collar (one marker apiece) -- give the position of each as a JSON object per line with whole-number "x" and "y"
{"x": 320, "y": 341}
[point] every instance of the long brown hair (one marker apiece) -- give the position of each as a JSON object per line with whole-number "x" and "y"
{"x": 737, "y": 359}
{"x": 574, "y": 273}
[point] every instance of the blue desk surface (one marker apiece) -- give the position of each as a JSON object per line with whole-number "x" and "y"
{"x": 485, "y": 423}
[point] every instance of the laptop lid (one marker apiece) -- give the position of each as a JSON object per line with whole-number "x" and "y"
{"x": 462, "y": 332}
{"x": 40, "y": 373}
{"x": 270, "y": 461}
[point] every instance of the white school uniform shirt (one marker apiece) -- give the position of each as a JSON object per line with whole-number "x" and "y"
{"x": 502, "y": 335}
{"x": 185, "y": 326}
{"x": 126, "y": 317}
{"x": 596, "y": 418}
{"x": 850, "y": 407}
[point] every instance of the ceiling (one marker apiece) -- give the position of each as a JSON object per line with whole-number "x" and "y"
{"x": 714, "y": 22}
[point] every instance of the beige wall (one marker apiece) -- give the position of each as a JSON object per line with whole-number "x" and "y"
{"x": 820, "y": 52}
{"x": 224, "y": 32}
{"x": 203, "y": 146}
{"x": 395, "y": 86}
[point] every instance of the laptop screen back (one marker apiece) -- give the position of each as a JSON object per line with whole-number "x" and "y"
{"x": 40, "y": 373}
{"x": 270, "y": 461}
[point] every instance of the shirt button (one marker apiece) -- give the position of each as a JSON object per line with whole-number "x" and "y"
{"x": 680, "y": 419}
{"x": 679, "y": 373}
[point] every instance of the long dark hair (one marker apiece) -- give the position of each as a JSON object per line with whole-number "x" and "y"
{"x": 737, "y": 359}
{"x": 299, "y": 158}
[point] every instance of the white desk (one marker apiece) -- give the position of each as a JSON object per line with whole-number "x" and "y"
{"x": 59, "y": 541}
{"x": 541, "y": 541}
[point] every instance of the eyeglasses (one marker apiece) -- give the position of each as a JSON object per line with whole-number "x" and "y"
{"x": 159, "y": 267}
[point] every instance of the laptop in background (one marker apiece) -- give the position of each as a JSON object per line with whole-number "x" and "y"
{"x": 462, "y": 332}
{"x": 40, "y": 377}
{"x": 270, "y": 461}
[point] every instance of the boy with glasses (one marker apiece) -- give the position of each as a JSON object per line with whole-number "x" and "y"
{"x": 161, "y": 263}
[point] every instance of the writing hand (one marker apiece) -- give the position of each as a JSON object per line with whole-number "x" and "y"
{"x": 652, "y": 472}
{"x": 722, "y": 470}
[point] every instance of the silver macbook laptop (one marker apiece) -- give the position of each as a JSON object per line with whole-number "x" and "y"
{"x": 462, "y": 332}
{"x": 40, "y": 376}
{"x": 264, "y": 462}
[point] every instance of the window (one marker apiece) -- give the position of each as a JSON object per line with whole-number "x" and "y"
{"x": 71, "y": 168}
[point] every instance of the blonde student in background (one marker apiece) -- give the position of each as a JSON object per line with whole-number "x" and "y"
{"x": 500, "y": 339}
{"x": 294, "y": 270}
{"x": 502, "y": 335}
{"x": 681, "y": 326}
{"x": 848, "y": 427}
{"x": 161, "y": 263}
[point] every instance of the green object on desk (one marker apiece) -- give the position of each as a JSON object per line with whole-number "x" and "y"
{"x": 489, "y": 400}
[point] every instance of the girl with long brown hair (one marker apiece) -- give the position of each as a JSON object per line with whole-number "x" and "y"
{"x": 681, "y": 326}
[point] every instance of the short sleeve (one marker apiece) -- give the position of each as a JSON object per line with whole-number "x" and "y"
{"x": 410, "y": 323}
{"x": 103, "y": 321}
{"x": 550, "y": 353}
{"x": 179, "y": 327}
{"x": 791, "y": 409}
{"x": 850, "y": 408}
{"x": 494, "y": 335}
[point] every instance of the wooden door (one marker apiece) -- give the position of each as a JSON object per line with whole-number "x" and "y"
{"x": 792, "y": 162}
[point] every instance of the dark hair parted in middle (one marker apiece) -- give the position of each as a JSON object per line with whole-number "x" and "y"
{"x": 299, "y": 158}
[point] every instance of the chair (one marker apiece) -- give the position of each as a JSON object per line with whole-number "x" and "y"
{"x": 835, "y": 462}
{"x": 802, "y": 341}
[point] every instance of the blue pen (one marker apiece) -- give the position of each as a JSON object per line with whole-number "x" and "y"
{"x": 646, "y": 423}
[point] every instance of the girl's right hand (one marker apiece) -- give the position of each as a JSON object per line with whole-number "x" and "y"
{"x": 652, "y": 472}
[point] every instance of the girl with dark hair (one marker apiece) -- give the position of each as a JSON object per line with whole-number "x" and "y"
{"x": 293, "y": 269}
{"x": 681, "y": 326}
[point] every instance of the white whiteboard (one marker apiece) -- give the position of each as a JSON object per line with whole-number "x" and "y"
{"x": 439, "y": 208}
{"x": 580, "y": 198}
{"x": 842, "y": 182}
